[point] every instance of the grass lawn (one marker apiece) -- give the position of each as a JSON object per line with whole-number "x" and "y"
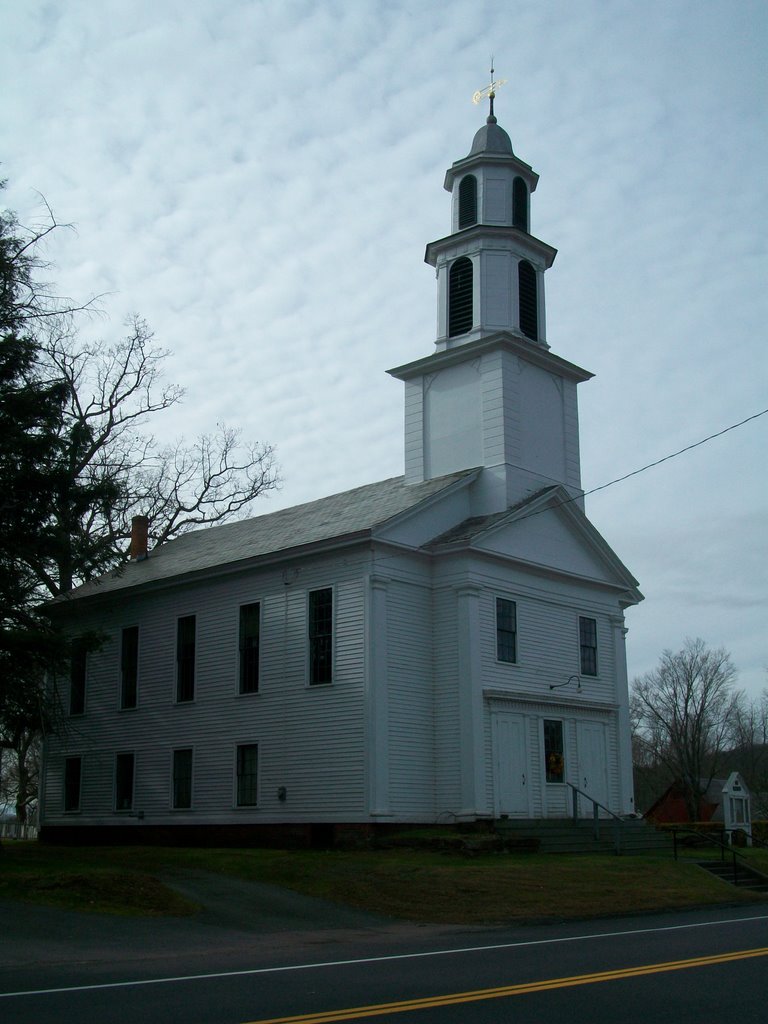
{"x": 417, "y": 886}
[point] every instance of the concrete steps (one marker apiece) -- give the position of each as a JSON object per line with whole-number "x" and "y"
{"x": 743, "y": 877}
{"x": 552, "y": 835}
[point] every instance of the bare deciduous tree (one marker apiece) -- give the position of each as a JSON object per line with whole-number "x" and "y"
{"x": 750, "y": 753}
{"x": 77, "y": 461}
{"x": 114, "y": 391}
{"x": 19, "y": 778}
{"x": 684, "y": 713}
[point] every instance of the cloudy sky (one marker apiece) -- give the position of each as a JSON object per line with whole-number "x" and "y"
{"x": 258, "y": 179}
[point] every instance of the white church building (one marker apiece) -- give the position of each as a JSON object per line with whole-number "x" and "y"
{"x": 446, "y": 646}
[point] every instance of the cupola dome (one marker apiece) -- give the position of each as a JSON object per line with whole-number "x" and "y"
{"x": 491, "y": 138}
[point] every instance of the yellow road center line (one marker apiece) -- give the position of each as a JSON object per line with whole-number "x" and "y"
{"x": 379, "y": 1009}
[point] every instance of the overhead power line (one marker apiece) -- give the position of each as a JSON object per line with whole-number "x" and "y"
{"x": 650, "y": 465}
{"x": 674, "y": 455}
{"x": 635, "y": 472}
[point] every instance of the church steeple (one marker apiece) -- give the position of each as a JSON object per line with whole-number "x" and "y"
{"x": 490, "y": 269}
{"x": 492, "y": 396}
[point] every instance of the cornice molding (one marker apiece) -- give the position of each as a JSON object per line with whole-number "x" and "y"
{"x": 499, "y": 341}
{"x": 480, "y": 232}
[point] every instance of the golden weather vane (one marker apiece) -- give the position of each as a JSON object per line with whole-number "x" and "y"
{"x": 489, "y": 91}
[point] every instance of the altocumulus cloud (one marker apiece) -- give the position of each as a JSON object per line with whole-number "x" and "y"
{"x": 259, "y": 180}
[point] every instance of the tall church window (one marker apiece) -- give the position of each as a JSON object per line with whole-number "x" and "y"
{"x": 506, "y": 630}
{"x": 78, "y": 668}
{"x": 320, "y": 636}
{"x": 182, "y": 778}
{"x": 124, "y": 771}
{"x": 588, "y": 645}
{"x": 460, "y": 297}
{"x": 250, "y": 615}
{"x": 519, "y": 204}
{"x": 554, "y": 757}
{"x": 247, "y": 775}
{"x": 129, "y": 667}
{"x": 73, "y": 772}
{"x": 467, "y": 201}
{"x": 185, "y": 658}
{"x": 528, "y": 298}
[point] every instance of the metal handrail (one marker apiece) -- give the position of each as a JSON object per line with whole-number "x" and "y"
{"x": 724, "y": 848}
{"x": 576, "y": 792}
{"x": 754, "y": 841}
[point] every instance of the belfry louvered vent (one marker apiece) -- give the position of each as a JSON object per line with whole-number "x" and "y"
{"x": 460, "y": 297}
{"x": 529, "y": 314}
{"x": 468, "y": 201}
{"x": 520, "y": 204}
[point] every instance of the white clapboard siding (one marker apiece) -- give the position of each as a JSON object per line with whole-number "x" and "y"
{"x": 548, "y": 654}
{"x": 314, "y": 740}
{"x": 411, "y": 700}
{"x": 310, "y": 737}
{"x": 447, "y": 724}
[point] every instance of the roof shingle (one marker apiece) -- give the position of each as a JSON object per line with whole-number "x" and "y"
{"x": 340, "y": 515}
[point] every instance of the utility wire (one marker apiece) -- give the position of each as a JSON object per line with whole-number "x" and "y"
{"x": 650, "y": 465}
{"x": 635, "y": 472}
{"x": 674, "y": 455}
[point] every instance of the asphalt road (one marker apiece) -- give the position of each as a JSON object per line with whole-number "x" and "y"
{"x": 256, "y": 953}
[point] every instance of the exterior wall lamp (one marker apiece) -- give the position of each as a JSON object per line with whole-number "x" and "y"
{"x": 559, "y": 686}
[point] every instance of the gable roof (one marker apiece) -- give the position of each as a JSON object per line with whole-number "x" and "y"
{"x": 477, "y": 531}
{"x": 671, "y": 806}
{"x": 349, "y": 515}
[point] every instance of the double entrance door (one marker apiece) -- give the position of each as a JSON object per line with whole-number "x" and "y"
{"x": 520, "y": 788}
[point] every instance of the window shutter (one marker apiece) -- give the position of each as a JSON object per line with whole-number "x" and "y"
{"x": 519, "y": 204}
{"x": 527, "y": 290}
{"x": 460, "y": 297}
{"x": 467, "y": 201}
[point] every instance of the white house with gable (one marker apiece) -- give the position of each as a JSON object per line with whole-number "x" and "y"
{"x": 444, "y": 646}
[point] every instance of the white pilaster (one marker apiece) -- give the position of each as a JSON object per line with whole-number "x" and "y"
{"x": 474, "y": 801}
{"x": 378, "y": 699}
{"x": 624, "y": 739}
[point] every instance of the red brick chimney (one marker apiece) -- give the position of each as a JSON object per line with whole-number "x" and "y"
{"x": 139, "y": 530}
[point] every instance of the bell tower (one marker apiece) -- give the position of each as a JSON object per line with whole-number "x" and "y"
{"x": 490, "y": 269}
{"x": 492, "y": 395}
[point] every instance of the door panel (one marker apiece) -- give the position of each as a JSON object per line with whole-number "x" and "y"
{"x": 510, "y": 765}
{"x": 593, "y": 766}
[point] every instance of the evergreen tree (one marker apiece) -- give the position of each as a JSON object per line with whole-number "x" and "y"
{"x": 40, "y": 497}
{"x": 31, "y": 414}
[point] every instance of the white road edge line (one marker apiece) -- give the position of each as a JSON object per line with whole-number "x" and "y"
{"x": 378, "y": 959}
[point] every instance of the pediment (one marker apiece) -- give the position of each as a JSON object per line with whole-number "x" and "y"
{"x": 550, "y": 532}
